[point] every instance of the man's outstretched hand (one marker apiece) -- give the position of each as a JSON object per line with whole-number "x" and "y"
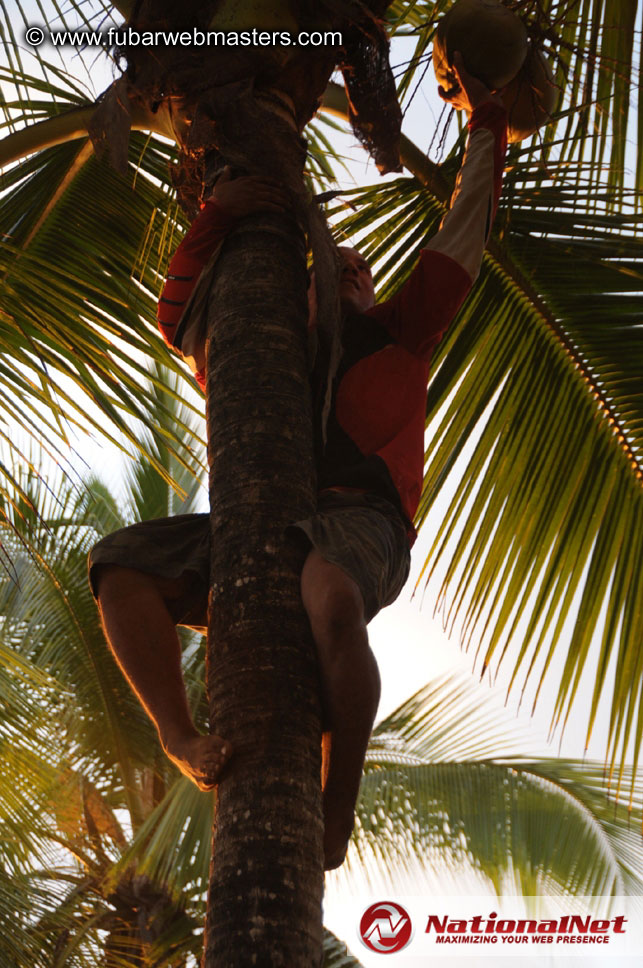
{"x": 467, "y": 92}
{"x": 248, "y": 194}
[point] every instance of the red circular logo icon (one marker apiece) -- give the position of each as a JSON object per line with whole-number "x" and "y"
{"x": 385, "y": 927}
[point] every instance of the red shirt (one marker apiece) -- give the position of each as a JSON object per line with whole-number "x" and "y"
{"x": 375, "y": 430}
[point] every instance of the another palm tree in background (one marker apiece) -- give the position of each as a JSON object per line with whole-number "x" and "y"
{"x": 105, "y": 845}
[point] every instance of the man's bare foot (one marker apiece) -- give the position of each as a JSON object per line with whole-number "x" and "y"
{"x": 339, "y": 820}
{"x": 201, "y": 758}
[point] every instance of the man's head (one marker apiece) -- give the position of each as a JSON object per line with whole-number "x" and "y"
{"x": 356, "y": 290}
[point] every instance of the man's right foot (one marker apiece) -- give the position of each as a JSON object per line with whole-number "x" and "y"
{"x": 339, "y": 819}
{"x": 200, "y": 758}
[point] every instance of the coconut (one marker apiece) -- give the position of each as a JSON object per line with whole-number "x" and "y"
{"x": 490, "y": 37}
{"x": 530, "y": 97}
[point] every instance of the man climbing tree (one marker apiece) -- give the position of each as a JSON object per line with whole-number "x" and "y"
{"x": 369, "y": 448}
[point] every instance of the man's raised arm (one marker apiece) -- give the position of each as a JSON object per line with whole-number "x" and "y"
{"x": 231, "y": 199}
{"x": 419, "y": 314}
{"x": 465, "y": 228}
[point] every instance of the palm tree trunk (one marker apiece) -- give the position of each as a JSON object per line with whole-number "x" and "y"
{"x": 266, "y": 885}
{"x": 264, "y": 905}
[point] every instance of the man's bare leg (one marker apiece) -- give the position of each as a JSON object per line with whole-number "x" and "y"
{"x": 350, "y": 691}
{"x": 144, "y": 641}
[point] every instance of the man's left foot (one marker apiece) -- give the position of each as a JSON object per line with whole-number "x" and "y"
{"x": 200, "y": 758}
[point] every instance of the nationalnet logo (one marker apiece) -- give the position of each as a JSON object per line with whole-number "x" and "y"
{"x": 465, "y": 928}
{"x": 385, "y": 927}
{"x": 569, "y": 929}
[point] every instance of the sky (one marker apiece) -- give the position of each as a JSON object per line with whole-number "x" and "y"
{"x": 410, "y": 644}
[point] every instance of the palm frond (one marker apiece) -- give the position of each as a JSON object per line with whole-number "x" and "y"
{"x": 538, "y": 416}
{"x": 336, "y": 954}
{"x": 434, "y": 790}
{"x": 50, "y": 61}
{"x": 443, "y": 789}
{"x": 76, "y": 746}
{"x": 173, "y": 845}
{"x": 49, "y": 617}
{"x": 80, "y": 275}
{"x": 50, "y": 623}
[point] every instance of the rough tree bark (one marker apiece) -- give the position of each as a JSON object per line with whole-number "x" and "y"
{"x": 267, "y": 879}
{"x": 247, "y": 108}
{"x": 266, "y": 885}
{"x": 264, "y": 905}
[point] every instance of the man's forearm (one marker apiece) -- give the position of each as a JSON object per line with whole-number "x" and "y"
{"x": 465, "y": 228}
{"x": 205, "y": 235}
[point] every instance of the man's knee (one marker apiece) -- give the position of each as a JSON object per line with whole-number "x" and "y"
{"x": 333, "y": 602}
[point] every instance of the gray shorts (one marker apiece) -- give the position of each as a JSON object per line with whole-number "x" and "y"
{"x": 361, "y": 533}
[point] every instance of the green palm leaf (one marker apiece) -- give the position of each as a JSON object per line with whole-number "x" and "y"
{"x": 442, "y": 789}
{"x": 434, "y": 791}
{"x": 336, "y": 954}
{"x": 50, "y": 618}
{"x": 539, "y": 387}
{"x": 429, "y": 762}
{"x": 76, "y": 747}
{"x": 80, "y": 271}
